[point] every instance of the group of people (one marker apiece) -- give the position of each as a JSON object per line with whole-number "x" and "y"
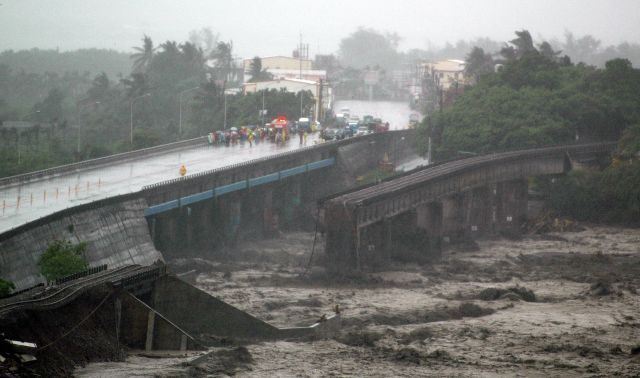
{"x": 234, "y": 136}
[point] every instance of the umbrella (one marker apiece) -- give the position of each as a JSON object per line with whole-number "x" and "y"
{"x": 234, "y": 129}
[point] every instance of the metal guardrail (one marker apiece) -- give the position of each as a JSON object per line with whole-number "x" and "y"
{"x": 128, "y": 196}
{"x": 406, "y": 182}
{"x": 77, "y": 275}
{"x": 5, "y": 181}
{"x": 299, "y": 151}
{"x": 238, "y": 185}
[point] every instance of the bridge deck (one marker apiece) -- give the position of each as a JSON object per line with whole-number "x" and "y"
{"x": 404, "y": 183}
{"x": 43, "y": 298}
{"x": 28, "y": 201}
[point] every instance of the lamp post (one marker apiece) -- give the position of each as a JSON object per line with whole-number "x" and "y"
{"x": 224, "y": 93}
{"x": 180, "y": 101}
{"x": 131, "y": 116}
{"x": 95, "y": 103}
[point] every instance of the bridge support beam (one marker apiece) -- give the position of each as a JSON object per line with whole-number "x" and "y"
{"x": 453, "y": 218}
{"x": 429, "y": 219}
{"x": 478, "y": 217}
{"x": 267, "y": 213}
{"x": 511, "y": 206}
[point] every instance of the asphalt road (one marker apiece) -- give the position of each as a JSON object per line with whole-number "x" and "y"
{"x": 23, "y": 203}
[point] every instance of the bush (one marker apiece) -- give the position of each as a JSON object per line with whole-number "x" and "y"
{"x": 61, "y": 259}
{"x": 6, "y": 287}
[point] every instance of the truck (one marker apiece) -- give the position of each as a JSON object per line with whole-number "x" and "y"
{"x": 304, "y": 124}
{"x": 279, "y": 125}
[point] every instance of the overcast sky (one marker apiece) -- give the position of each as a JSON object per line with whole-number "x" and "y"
{"x": 273, "y": 27}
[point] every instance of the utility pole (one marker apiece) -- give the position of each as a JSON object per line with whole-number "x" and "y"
{"x": 262, "y": 110}
{"x": 319, "y": 111}
{"x": 300, "y": 60}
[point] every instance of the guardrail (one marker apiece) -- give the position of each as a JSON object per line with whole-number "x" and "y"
{"x": 101, "y": 161}
{"x": 83, "y": 273}
{"x": 298, "y": 151}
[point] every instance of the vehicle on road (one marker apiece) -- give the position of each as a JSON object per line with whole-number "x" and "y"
{"x": 279, "y": 129}
{"x": 363, "y": 130}
{"x": 304, "y": 124}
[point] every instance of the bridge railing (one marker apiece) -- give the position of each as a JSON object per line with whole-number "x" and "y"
{"x": 370, "y": 193}
{"x": 299, "y": 151}
{"x": 84, "y": 273}
{"x": 12, "y": 180}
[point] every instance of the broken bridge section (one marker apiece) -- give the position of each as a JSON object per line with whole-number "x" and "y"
{"x": 151, "y": 310}
{"x": 409, "y": 217}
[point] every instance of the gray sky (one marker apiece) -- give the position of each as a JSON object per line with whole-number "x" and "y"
{"x": 272, "y": 27}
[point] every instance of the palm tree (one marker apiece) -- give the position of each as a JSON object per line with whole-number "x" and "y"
{"x": 192, "y": 54}
{"x": 171, "y": 48}
{"x": 521, "y": 46}
{"x": 144, "y": 55}
{"x": 547, "y": 51}
{"x": 256, "y": 72}
{"x": 137, "y": 84}
{"x": 223, "y": 55}
{"x": 478, "y": 63}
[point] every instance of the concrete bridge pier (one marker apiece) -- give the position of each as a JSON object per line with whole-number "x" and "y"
{"x": 429, "y": 219}
{"x": 453, "y": 216}
{"x": 511, "y": 206}
{"x": 267, "y": 213}
{"x": 478, "y": 211}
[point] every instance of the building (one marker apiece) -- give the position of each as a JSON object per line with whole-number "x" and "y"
{"x": 312, "y": 75}
{"x": 445, "y": 73}
{"x": 294, "y": 86}
{"x": 279, "y": 62}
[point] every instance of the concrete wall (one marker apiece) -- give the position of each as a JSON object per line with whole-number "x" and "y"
{"x": 203, "y": 315}
{"x": 116, "y": 234}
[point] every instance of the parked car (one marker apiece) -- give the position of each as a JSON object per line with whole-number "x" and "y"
{"x": 329, "y": 134}
{"x": 363, "y": 130}
{"x": 341, "y": 133}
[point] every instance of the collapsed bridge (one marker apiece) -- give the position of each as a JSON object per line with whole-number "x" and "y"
{"x": 455, "y": 199}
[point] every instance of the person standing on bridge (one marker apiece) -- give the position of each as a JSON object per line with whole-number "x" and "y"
{"x": 250, "y": 138}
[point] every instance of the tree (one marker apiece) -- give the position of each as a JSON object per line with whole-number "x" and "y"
{"x": 368, "y": 47}
{"x": 546, "y": 50}
{"x": 224, "y": 65}
{"x": 137, "y": 84}
{"x": 99, "y": 87}
{"x": 144, "y": 55}
{"x": 193, "y": 54}
{"x": 256, "y": 72}
{"x": 478, "y": 63}
{"x": 6, "y": 287}
{"x": 61, "y": 259}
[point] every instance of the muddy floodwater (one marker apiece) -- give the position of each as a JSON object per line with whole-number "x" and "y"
{"x": 559, "y": 304}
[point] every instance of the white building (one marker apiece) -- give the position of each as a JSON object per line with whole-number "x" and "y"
{"x": 278, "y": 62}
{"x": 294, "y": 86}
{"x": 445, "y": 72}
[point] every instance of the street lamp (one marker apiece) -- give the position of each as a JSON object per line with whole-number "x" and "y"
{"x": 95, "y": 103}
{"x": 131, "y": 115}
{"x": 180, "y": 101}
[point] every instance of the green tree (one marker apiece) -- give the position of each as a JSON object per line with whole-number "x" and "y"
{"x": 6, "y": 287}
{"x": 223, "y": 56}
{"x": 62, "y": 258}
{"x": 142, "y": 58}
{"x": 478, "y": 63}
{"x": 256, "y": 72}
